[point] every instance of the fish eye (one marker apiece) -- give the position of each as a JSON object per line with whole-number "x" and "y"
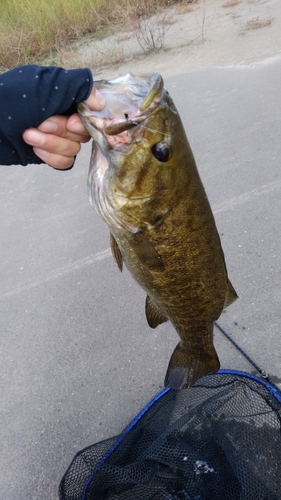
{"x": 161, "y": 151}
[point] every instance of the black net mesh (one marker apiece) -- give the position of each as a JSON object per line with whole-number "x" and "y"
{"x": 218, "y": 440}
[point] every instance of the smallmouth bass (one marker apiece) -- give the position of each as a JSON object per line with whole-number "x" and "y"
{"x": 143, "y": 182}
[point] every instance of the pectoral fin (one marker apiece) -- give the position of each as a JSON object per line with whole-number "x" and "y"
{"x": 146, "y": 252}
{"x": 153, "y": 314}
{"x": 231, "y": 295}
{"x": 116, "y": 254}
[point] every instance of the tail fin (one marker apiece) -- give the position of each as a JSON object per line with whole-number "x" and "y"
{"x": 185, "y": 369}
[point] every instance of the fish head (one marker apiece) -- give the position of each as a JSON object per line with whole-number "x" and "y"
{"x": 137, "y": 149}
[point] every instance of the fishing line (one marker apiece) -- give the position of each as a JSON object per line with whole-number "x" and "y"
{"x": 151, "y": 129}
{"x": 263, "y": 373}
{"x": 159, "y": 132}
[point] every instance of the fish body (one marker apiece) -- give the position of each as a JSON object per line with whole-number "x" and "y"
{"x": 144, "y": 183}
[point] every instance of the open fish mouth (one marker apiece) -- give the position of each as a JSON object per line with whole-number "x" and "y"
{"x": 130, "y": 99}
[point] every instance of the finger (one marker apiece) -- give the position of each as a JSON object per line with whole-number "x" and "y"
{"x": 95, "y": 101}
{"x": 51, "y": 143}
{"x": 76, "y": 127}
{"x": 56, "y": 161}
{"x": 58, "y": 125}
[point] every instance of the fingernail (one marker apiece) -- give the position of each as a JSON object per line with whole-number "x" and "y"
{"x": 34, "y": 137}
{"x": 41, "y": 152}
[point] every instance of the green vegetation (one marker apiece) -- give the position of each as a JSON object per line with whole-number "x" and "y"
{"x": 30, "y": 29}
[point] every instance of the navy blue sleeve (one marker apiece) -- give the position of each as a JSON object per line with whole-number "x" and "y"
{"x": 28, "y": 96}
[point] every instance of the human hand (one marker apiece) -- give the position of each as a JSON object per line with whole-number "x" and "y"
{"x": 38, "y": 110}
{"x": 58, "y": 139}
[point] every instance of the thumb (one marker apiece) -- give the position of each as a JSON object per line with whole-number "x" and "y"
{"x": 95, "y": 101}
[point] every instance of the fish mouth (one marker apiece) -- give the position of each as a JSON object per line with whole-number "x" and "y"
{"x": 130, "y": 100}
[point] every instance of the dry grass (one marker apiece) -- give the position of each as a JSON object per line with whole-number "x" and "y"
{"x": 150, "y": 32}
{"x": 148, "y": 24}
{"x": 231, "y": 3}
{"x": 30, "y": 29}
{"x": 256, "y": 23}
{"x": 185, "y": 8}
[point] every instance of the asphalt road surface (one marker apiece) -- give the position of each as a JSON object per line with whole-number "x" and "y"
{"x": 78, "y": 360}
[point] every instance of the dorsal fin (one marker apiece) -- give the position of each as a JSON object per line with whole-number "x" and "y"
{"x": 116, "y": 254}
{"x": 153, "y": 314}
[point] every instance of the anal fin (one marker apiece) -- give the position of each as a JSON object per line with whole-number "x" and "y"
{"x": 153, "y": 314}
{"x": 231, "y": 295}
{"x": 185, "y": 369}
